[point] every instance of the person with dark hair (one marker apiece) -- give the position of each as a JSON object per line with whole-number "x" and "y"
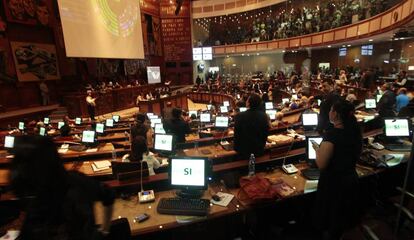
{"x": 328, "y": 99}
{"x": 386, "y": 104}
{"x": 140, "y": 152}
{"x": 402, "y": 79}
{"x": 336, "y": 157}
{"x": 177, "y": 126}
{"x": 141, "y": 128}
{"x": 251, "y": 128}
{"x": 65, "y": 129}
{"x": 59, "y": 204}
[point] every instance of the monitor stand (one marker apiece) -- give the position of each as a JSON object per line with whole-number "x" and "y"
{"x": 189, "y": 193}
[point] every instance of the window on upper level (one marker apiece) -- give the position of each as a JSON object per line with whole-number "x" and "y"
{"x": 367, "y": 50}
{"x": 342, "y": 52}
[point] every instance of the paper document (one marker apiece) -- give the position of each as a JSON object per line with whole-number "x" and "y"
{"x": 225, "y": 199}
{"x": 100, "y": 165}
{"x": 62, "y": 150}
{"x": 92, "y": 150}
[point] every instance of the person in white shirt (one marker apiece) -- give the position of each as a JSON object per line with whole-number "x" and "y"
{"x": 91, "y": 104}
{"x": 402, "y": 79}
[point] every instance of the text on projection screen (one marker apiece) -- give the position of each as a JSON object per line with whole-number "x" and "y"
{"x": 102, "y": 28}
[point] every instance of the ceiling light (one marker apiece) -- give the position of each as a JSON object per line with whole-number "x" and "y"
{"x": 370, "y": 40}
{"x": 329, "y": 46}
{"x": 348, "y": 45}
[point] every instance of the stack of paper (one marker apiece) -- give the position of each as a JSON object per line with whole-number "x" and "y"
{"x": 101, "y": 165}
{"x": 225, "y": 199}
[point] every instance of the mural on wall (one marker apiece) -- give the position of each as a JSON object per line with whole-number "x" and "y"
{"x": 137, "y": 68}
{"x": 28, "y": 11}
{"x": 35, "y": 61}
{"x": 7, "y": 73}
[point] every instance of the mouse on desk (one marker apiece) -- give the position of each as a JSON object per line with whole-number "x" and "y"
{"x": 216, "y": 198}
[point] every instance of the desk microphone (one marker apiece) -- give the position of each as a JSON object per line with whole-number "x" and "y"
{"x": 290, "y": 168}
{"x": 145, "y": 196}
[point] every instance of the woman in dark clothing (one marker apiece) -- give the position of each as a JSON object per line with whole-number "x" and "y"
{"x": 336, "y": 157}
{"x": 58, "y": 204}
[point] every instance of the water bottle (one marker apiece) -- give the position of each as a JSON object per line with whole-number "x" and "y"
{"x": 113, "y": 155}
{"x": 252, "y": 163}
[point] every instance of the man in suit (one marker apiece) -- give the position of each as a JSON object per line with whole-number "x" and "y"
{"x": 251, "y": 129}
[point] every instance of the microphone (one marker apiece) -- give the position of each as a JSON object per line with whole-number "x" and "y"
{"x": 145, "y": 196}
{"x": 290, "y": 168}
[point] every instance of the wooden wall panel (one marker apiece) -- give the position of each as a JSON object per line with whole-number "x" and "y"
{"x": 352, "y": 32}
{"x": 219, "y": 7}
{"x": 396, "y": 15}
{"x": 406, "y": 9}
{"x": 262, "y": 46}
{"x": 284, "y": 44}
{"x": 273, "y": 45}
{"x": 251, "y": 47}
{"x": 230, "y": 5}
{"x": 328, "y": 37}
{"x": 363, "y": 28}
{"x": 208, "y": 9}
{"x": 294, "y": 42}
{"x": 231, "y": 49}
{"x": 240, "y": 48}
{"x": 317, "y": 39}
{"x": 340, "y": 34}
{"x": 241, "y": 3}
{"x": 375, "y": 25}
{"x": 306, "y": 41}
{"x": 219, "y": 50}
{"x": 386, "y": 20}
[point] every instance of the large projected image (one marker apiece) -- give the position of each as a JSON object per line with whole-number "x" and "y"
{"x": 102, "y": 28}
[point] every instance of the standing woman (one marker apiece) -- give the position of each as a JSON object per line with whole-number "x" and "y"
{"x": 337, "y": 195}
{"x": 90, "y": 102}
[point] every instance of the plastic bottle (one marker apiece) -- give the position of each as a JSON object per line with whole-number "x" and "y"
{"x": 113, "y": 155}
{"x": 252, "y": 165}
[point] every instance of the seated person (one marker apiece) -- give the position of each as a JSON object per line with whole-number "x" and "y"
{"x": 140, "y": 152}
{"x": 278, "y": 122}
{"x": 402, "y": 79}
{"x": 351, "y": 96}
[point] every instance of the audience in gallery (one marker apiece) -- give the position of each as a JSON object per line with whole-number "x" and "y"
{"x": 282, "y": 21}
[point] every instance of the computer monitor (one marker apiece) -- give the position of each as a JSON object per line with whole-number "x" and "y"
{"x": 159, "y": 128}
{"x": 294, "y": 96}
{"x": 222, "y": 122}
{"x": 378, "y": 97}
{"x": 370, "y": 103}
{"x": 46, "y": 120}
{"x": 208, "y": 107}
{"x": 226, "y": 103}
{"x": 152, "y": 116}
{"x": 272, "y": 114}
{"x": 397, "y": 127}
{"x": 310, "y": 152}
{"x": 223, "y": 109}
{"x": 191, "y": 112}
{"x": 243, "y": 109}
{"x": 9, "y": 142}
{"x": 100, "y": 128}
{"x": 189, "y": 174}
{"x": 163, "y": 142}
{"x": 268, "y": 105}
{"x": 88, "y": 136}
{"x": 285, "y": 100}
{"x": 319, "y": 102}
{"x": 149, "y": 114}
{"x": 205, "y": 117}
{"x": 78, "y": 121}
{"x": 155, "y": 121}
{"x": 109, "y": 122}
{"x": 310, "y": 119}
{"x": 42, "y": 131}
{"x": 21, "y": 126}
{"x": 60, "y": 124}
{"x": 116, "y": 118}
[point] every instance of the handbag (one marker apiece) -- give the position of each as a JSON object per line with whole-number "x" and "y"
{"x": 256, "y": 189}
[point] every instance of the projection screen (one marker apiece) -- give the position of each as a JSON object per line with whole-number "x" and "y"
{"x": 102, "y": 28}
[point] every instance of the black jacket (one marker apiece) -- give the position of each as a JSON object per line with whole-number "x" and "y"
{"x": 251, "y": 129}
{"x": 177, "y": 127}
